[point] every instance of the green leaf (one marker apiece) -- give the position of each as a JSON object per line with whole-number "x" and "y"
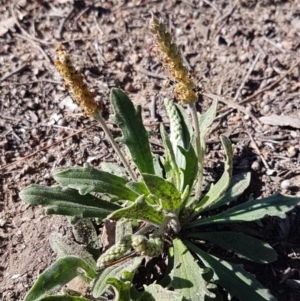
{"x": 233, "y": 278}
{"x": 189, "y": 171}
{"x": 63, "y": 247}
{"x": 169, "y": 163}
{"x": 218, "y": 190}
{"x": 113, "y": 168}
{"x": 85, "y": 233}
{"x": 64, "y": 298}
{"x": 67, "y": 201}
{"x": 59, "y": 273}
{"x": 155, "y": 292}
{"x": 165, "y": 192}
{"x": 275, "y": 205}
{"x": 239, "y": 183}
{"x": 121, "y": 289}
{"x": 138, "y": 187}
{"x": 187, "y": 275}
{"x": 205, "y": 121}
{"x": 135, "y": 136}
{"x": 115, "y": 271}
{"x": 180, "y": 132}
{"x": 157, "y": 166}
{"x": 88, "y": 179}
{"x": 243, "y": 245}
{"x": 141, "y": 210}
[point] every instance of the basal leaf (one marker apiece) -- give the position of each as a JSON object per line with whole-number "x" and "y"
{"x": 141, "y": 210}
{"x": 138, "y": 187}
{"x": 157, "y": 292}
{"x": 67, "y": 201}
{"x": 157, "y": 165}
{"x": 165, "y": 192}
{"x": 179, "y": 132}
{"x": 239, "y": 183}
{"x": 121, "y": 289}
{"x": 65, "y": 247}
{"x": 115, "y": 271}
{"x": 190, "y": 169}
{"x": 205, "y": 121}
{"x": 134, "y": 133}
{"x": 87, "y": 179}
{"x": 64, "y": 298}
{"x": 85, "y": 234}
{"x": 113, "y": 168}
{"x": 170, "y": 165}
{"x": 275, "y": 205}
{"x": 233, "y": 278}
{"x": 59, "y": 273}
{"x": 218, "y": 190}
{"x": 186, "y": 274}
{"x": 243, "y": 245}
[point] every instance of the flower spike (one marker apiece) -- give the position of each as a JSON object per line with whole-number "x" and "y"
{"x": 74, "y": 82}
{"x": 173, "y": 63}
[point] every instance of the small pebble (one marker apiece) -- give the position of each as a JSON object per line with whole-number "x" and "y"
{"x": 262, "y": 104}
{"x": 285, "y": 184}
{"x": 266, "y": 109}
{"x": 292, "y": 151}
{"x": 256, "y": 166}
{"x": 2, "y": 222}
{"x": 294, "y": 134}
{"x": 270, "y": 172}
{"x": 126, "y": 67}
{"x": 244, "y": 58}
{"x": 129, "y": 87}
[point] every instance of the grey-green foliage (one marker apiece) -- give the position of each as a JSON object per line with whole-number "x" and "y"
{"x": 163, "y": 198}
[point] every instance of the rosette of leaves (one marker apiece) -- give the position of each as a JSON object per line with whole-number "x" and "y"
{"x": 163, "y": 198}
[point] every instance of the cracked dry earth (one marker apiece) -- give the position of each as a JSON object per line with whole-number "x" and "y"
{"x": 245, "y": 51}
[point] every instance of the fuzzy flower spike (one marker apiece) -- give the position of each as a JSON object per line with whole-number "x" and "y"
{"x": 173, "y": 63}
{"x": 75, "y": 84}
{"x": 184, "y": 85}
{"x": 85, "y": 98}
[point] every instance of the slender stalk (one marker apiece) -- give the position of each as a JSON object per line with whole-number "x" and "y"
{"x": 193, "y": 111}
{"x": 99, "y": 118}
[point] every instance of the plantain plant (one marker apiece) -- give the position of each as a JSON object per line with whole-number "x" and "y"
{"x": 164, "y": 195}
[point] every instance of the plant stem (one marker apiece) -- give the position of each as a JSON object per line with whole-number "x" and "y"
{"x": 99, "y": 118}
{"x": 192, "y": 107}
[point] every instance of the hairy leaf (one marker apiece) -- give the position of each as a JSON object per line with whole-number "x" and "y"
{"x": 135, "y": 136}
{"x": 141, "y": 210}
{"x": 138, "y": 187}
{"x": 170, "y": 165}
{"x": 121, "y": 289}
{"x": 85, "y": 233}
{"x": 239, "y": 183}
{"x": 233, "y": 278}
{"x": 205, "y": 121}
{"x": 218, "y": 190}
{"x": 165, "y": 192}
{"x": 115, "y": 271}
{"x": 275, "y": 205}
{"x": 190, "y": 169}
{"x": 64, "y": 298}
{"x": 157, "y": 292}
{"x": 88, "y": 179}
{"x": 64, "y": 247}
{"x": 113, "y": 168}
{"x": 243, "y": 245}
{"x": 186, "y": 274}
{"x": 59, "y": 273}
{"x": 67, "y": 201}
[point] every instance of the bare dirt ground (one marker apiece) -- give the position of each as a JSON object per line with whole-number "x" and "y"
{"x": 246, "y": 51}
